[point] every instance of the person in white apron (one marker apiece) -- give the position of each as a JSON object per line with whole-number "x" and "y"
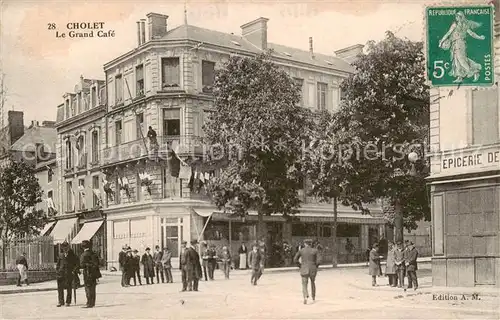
{"x": 242, "y": 251}
{"x": 22, "y": 266}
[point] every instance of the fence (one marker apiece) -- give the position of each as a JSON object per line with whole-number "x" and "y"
{"x": 39, "y": 253}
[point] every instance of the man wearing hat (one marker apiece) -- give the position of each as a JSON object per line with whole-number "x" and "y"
{"x": 308, "y": 268}
{"x": 89, "y": 262}
{"x": 66, "y": 271}
{"x": 183, "y": 265}
{"x": 411, "y": 266}
{"x": 148, "y": 264}
{"x": 122, "y": 257}
{"x": 193, "y": 267}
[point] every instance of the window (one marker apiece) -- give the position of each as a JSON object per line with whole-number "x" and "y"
{"x": 485, "y": 117}
{"x": 93, "y": 97}
{"x": 170, "y": 73}
{"x": 304, "y": 230}
{"x": 208, "y": 75}
{"x": 81, "y": 194}
{"x": 67, "y": 109}
{"x": 171, "y": 185}
{"x": 139, "y": 78}
{"x": 118, "y": 132}
{"x": 217, "y": 230}
{"x": 50, "y": 209}
{"x": 171, "y": 122}
{"x": 79, "y": 104}
{"x": 95, "y": 186}
{"x": 69, "y": 155}
{"x": 50, "y": 174}
{"x": 321, "y": 96}
{"x": 118, "y": 89}
{"x": 300, "y": 83}
{"x": 139, "y": 120}
{"x": 69, "y": 197}
{"x": 95, "y": 147}
{"x": 348, "y": 230}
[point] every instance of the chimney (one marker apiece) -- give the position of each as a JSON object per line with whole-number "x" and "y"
{"x": 157, "y": 25}
{"x": 139, "y": 37}
{"x": 256, "y": 32}
{"x": 349, "y": 54}
{"x": 311, "y": 49}
{"x": 143, "y": 31}
{"x": 15, "y": 120}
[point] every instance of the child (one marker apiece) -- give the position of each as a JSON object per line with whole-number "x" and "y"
{"x": 226, "y": 261}
{"x": 167, "y": 264}
{"x": 374, "y": 264}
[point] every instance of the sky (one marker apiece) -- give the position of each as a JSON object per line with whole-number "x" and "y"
{"x": 39, "y": 68}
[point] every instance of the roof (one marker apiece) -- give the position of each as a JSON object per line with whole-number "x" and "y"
{"x": 189, "y": 32}
{"x": 37, "y": 135}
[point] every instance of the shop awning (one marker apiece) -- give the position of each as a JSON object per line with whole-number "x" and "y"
{"x": 62, "y": 230}
{"x": 203, "y": 212}
{"x": 87, "y": 232}
{"x": 47, "y": 228}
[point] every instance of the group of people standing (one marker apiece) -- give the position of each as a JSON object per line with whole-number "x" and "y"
{"x": 158, "y": 263}
{"x": 68, "y": 269}
{"x": 401, "y": 261}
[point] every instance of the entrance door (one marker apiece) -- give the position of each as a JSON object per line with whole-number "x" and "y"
{"x": 172, "y": 235}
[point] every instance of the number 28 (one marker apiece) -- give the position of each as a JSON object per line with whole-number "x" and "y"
{"x": 439, "y": 69}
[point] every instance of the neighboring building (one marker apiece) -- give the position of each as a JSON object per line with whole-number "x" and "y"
{"x": 9, "y": 134}
{"x": 37, "y": 147}
{"x": 465, "y": 184}
{"x": 166, "y": 83}
{"x": 80, "y": 134}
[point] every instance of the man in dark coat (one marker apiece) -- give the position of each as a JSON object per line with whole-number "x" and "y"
{"x": 183, "y": 265}
{"x": 121, "y": 260}
{"x": 211, "y": 261}
{"x": 411, "y": 266}
{"x": 308, "y": 268}
{"x": 157, "y": 256}
{"x": 193, "y": 267}
{"x": 255, "y": 262}
{"x": 89, "y": 262}
{"x": 136, "y": 267}
{"x": 148, "y": 264}
{"x": 66, "y": 270}
{"x": 21, "y": 261}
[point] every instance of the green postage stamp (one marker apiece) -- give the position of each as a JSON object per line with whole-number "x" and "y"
{"x": 460, "y": 48}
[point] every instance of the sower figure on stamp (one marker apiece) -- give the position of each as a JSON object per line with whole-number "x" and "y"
{"x": 89, "y": 262}
{"x": 310, "y": 260}
{"x": 411, "y": 266}
{"x": 254, "y": 262}
{"x": 158, "y": 265}
{"x": 66, "y": 268}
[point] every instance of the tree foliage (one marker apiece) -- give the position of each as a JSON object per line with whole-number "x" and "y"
{"x": 19, "y": 194}
{"x": 256, "y": 133}
{"x": 385, "y": 111}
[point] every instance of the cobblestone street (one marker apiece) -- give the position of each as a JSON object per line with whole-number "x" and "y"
{"x": 342, "y": 293}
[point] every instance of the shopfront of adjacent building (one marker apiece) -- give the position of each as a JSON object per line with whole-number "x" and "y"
{"x": 465, "y": 188}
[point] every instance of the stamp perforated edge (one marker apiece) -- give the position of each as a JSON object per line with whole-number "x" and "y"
{"x": 458, "y": 4}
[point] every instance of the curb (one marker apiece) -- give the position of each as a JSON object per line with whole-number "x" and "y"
{"x": 27, "y": 290}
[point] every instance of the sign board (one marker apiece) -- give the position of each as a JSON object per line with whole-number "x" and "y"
{"x": 459, "y": 43}
{"x": 471, "y": 161}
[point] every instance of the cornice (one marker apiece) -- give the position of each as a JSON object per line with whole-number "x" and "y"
{"x": 79, "y": 118}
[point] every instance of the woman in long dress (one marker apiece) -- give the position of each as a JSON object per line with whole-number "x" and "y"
{"x": 455, "y": 41}
{"x": 242, "y": 251}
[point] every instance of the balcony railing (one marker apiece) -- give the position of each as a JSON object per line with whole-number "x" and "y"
{"x": 143, "y": 147}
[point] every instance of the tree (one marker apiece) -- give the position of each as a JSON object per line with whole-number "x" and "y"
{"x": 255, "y": 134}
{"x": 386, "y": 112}
{"x": 19, "y": 194}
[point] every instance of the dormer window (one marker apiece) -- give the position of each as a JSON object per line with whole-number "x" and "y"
{"x": 236, "y": 43}
{"x": 170, "y": 73}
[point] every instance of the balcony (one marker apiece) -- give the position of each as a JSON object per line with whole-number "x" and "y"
{"x": 141, "y": 148}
